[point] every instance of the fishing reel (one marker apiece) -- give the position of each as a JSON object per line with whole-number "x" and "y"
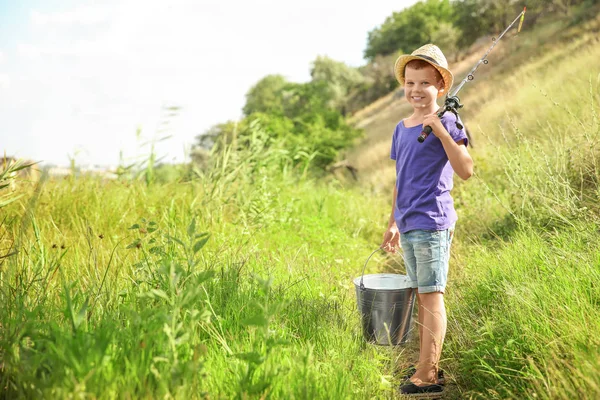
{"x": 451, "y": 104}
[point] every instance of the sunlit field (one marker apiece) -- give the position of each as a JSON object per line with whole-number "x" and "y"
{"x": 235, "y": 281}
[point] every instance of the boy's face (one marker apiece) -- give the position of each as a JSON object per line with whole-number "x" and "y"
{"x": 421, "y": 86}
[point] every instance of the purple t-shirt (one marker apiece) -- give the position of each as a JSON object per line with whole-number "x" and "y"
{"x": 424, "y": 178}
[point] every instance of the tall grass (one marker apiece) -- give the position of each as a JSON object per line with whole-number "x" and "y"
{"x": 236, "y": 284}
{"x": 524, "y": 316}
{"x": 524, "y": 307}
{"x": 539, "y": 151}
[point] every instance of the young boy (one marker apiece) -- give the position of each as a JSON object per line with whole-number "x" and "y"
{"x": 423, "y": 215}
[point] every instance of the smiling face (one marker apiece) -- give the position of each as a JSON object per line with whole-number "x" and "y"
{"x": 422, "y": 85}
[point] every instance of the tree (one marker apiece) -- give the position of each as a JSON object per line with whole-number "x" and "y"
{"x": 218, "y": 135}
{"x": 379, "y": 80}
{"x": 408, "y": 29}
{"x": 477, "y": 18}
{"x": 265, "y": 96}
{"x": 446, "y": 37}
{"x": 339, "y": 79}
{"x": 301, "y": 99}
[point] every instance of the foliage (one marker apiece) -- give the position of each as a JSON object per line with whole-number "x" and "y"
{"x": 340, "y": 81}
{"x": 206, "y": 289}
{"x": 166, "y": 173}
{"x": 379, "y": 80}
{"x": 476, "y": 18}
{"x": 217, "y": 135}
{"x": 446, "y": 37}
{"x": 454, "y": 25}
{"x": 523, "y": 317}
{"x": 266, "y": 95}
{"x": 303, "y": 121}
{"x": 408, "y": 29}
{"x": 8, "y": 176}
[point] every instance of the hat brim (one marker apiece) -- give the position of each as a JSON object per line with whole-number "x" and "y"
{"x": 406, "y": 58}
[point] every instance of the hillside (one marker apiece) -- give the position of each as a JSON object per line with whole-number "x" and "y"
{"x": 552, "y": 39}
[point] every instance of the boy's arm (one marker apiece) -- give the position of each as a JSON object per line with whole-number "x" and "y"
{"x": 391, "y": 237}
{"x": 459, "y": 157}
{"x": 457, "y": 153}
{"x": 392, "y": 220}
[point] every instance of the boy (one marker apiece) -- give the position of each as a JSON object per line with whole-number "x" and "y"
{"x": 423, "y": 216}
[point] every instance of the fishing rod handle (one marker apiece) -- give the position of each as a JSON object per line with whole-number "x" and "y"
{"x": 426, "y": 131}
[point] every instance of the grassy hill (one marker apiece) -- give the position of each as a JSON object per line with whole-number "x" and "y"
{"x": 530, "y": 53}
{"x": 524, "y": 296}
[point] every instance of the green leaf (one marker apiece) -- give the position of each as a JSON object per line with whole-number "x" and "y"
{"x": 192, "y": 228}
{"x": 10, "y": 200}
{"x": 133, "y": 244}
{"x": 153, "y": 293}
{"x": 251, "y": 357}
{"x": 156, "y": 250}
{"x": 204, "y": 276}
{"x": 200, "y": 244}
{"x": 81, "y": 314}
{"x": 176, "y": 240}
{"x": 182, "y": 339}
{"x": 264, "y": 283}
{"x": 134, "y": 226}
{"x": 20, "y": 167}
{"x": 272, "y": 342}
{"x": 257, "y": 320}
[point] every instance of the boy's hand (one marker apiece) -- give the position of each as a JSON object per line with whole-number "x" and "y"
{"x": 391, "y": 239}
{"x": 436, "y": 125}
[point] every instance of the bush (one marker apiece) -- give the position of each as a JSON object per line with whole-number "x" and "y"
{"x": 301, "y": 121}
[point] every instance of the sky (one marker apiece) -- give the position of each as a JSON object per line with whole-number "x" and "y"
{"x": 90, "y": 80}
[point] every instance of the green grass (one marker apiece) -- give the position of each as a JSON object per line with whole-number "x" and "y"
{"x": 121, "y": 290}
{"x": 523, "y": 316}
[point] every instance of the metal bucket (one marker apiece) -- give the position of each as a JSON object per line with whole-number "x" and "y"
{"x": 385, "y": 302}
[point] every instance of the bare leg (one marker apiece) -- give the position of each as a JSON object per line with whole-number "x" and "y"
{"x": 420, "y": 319}
{"x": 432, "y": 313}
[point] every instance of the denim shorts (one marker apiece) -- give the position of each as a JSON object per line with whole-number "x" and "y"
{"x": 426, "y": 256}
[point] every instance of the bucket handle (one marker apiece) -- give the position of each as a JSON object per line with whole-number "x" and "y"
{"x": 362, "y": 286}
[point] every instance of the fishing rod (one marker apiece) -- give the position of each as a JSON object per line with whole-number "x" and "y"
{"x": 452, "y": 102}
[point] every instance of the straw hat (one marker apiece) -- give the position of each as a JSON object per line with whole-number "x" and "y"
{"x": 434, "y": 56}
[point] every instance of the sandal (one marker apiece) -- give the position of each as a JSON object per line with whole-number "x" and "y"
{"x": 441, "y": 379}
{"x": 422, "y": 392}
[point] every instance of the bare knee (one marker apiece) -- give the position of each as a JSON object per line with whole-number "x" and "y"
{"x": 426, "y": 299}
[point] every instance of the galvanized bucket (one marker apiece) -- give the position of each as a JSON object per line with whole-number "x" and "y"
{"x": 385, "y": 302}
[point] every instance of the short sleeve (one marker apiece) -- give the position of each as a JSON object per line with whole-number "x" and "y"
{"x": 393, "y": 150}
{"x": 449, "y": 122}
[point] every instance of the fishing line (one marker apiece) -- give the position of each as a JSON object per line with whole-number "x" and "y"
{"x": 452, "y": 102}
